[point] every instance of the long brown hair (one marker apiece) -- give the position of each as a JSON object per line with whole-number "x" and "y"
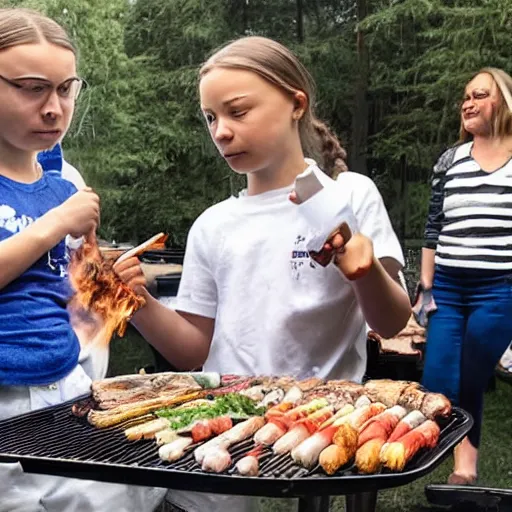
{"x": 502, "y": 116}
{"x": 25, "y": 26}
{"x": 279, "y": 66}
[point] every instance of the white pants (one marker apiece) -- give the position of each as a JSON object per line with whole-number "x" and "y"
{"x": 24, "y": 492}
{"x": 506, "y": 359}
{"x": 94, "y": 361}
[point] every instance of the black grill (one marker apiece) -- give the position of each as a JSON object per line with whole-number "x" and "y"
{"x": 53, "y": 441}
{"x": 175, "y": 256}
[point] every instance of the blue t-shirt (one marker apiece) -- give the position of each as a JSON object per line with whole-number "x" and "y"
{"x": 37, "y": 344}
{"x": 51, "y": 159}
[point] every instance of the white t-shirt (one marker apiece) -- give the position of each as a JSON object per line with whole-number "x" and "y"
{"x": 246, "y": 266}
{"x": 71, "y": 174}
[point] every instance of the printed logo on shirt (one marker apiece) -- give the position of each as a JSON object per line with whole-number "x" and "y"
{"x": 56, "y": 259}
{"x": 300, "y": 257}
{"x": 12, "y": 223}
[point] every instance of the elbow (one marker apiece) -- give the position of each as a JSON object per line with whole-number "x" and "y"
{"x": 430, "y": 243}
{"x": 392, "y": 330}
{"x": 397, "y": 321}
{"x": 191, "y": 365}
{"x": 184, "y": 361}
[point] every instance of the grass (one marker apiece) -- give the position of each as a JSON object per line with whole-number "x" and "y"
{"x": 131, "y": 352}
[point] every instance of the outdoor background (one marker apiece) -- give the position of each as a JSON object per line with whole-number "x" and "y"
{"x": 390, "y": 76}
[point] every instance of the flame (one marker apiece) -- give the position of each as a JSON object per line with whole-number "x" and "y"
{"x": 102, "y": 304}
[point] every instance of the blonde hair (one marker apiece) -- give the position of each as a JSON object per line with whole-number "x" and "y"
{"x": 502, "y": 116}
{"x": 279, "y": 66}
{"x": 25, "y": 26}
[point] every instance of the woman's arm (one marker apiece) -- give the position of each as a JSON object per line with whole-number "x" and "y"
{"x": 435, "y": 217}
{"x": 427, "y": 267}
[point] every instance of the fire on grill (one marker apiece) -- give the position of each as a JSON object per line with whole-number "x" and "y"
{"x": 381, "y": 424}
{"x": 101, "y": 299}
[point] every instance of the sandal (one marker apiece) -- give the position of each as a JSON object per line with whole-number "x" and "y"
{"x": 459, "y": 479}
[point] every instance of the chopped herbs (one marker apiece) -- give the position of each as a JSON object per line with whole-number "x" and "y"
{"x": 232, "y": 405}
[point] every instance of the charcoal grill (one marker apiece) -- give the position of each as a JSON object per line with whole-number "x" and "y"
{"x": 53, "y": 441}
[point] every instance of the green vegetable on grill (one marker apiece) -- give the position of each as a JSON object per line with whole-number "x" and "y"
{"x": 233, "y": 405}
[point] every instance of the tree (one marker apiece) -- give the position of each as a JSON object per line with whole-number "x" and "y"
{"x": 422, "y": 53}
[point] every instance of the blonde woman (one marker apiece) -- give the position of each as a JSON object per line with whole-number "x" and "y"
{"x": 467, "y": 259}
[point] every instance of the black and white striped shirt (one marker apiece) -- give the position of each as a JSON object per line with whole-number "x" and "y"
{"x": 472, "y": 218}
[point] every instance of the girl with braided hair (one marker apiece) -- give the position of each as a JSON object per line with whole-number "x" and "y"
{"x": 250, "y": 300}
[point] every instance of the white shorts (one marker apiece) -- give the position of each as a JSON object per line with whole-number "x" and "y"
{"x": 25, "y": 492}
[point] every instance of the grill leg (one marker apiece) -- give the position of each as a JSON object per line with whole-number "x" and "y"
{"x": 361, "y": 502}
{"x": 314, "y": 504}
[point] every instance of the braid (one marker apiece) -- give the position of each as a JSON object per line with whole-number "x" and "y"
{"x": 333, "y": 154}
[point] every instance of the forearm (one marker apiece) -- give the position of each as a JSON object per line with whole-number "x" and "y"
{"x": 184, "y": 344}
{"x": 19, "y": 252}
{"x": 427, "y": 267}
{"x": 384, "y": 302}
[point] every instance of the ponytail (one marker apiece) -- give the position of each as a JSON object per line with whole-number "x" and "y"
{"x": 333, "y": 155}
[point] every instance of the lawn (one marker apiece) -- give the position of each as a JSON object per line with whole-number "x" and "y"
{"x": 131, "y": 352}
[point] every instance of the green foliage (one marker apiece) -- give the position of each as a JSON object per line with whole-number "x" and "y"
{"x": 423, "y": 53}
{"x": 138, "y": 135}
{"x": 142, "y": 142}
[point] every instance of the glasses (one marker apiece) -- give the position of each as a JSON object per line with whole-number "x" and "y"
{"x": 39, "y": 88}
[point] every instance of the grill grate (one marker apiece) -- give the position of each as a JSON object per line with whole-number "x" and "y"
{"x": 54, "y": 441}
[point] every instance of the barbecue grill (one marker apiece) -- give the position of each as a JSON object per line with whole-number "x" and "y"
{"x": 53, "y": 441}
{"x": 175, "y": 256}
{"x": 467, "y": 498}
{"x": 394, "y": 366}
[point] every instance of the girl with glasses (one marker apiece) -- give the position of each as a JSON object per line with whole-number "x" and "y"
{"x": 38, "y": 348}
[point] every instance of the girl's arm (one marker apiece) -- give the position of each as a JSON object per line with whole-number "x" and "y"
{"x": 21, "y": 251}
{"x": 183, "y": 339}
{"x": 372, "y": 258}
{"x": 78, "y": 216}
{"x": 385, "y": 304}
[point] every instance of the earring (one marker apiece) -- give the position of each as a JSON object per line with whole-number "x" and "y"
{"x": 297, "y": 115}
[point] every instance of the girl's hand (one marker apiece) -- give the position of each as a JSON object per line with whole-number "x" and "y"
{"x": 80, "y": 214}
{"x": 130, "y": 272}
{"x": 354, "y": 258}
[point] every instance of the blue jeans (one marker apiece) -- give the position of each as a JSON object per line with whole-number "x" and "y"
{"x": 467, "y": 335}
